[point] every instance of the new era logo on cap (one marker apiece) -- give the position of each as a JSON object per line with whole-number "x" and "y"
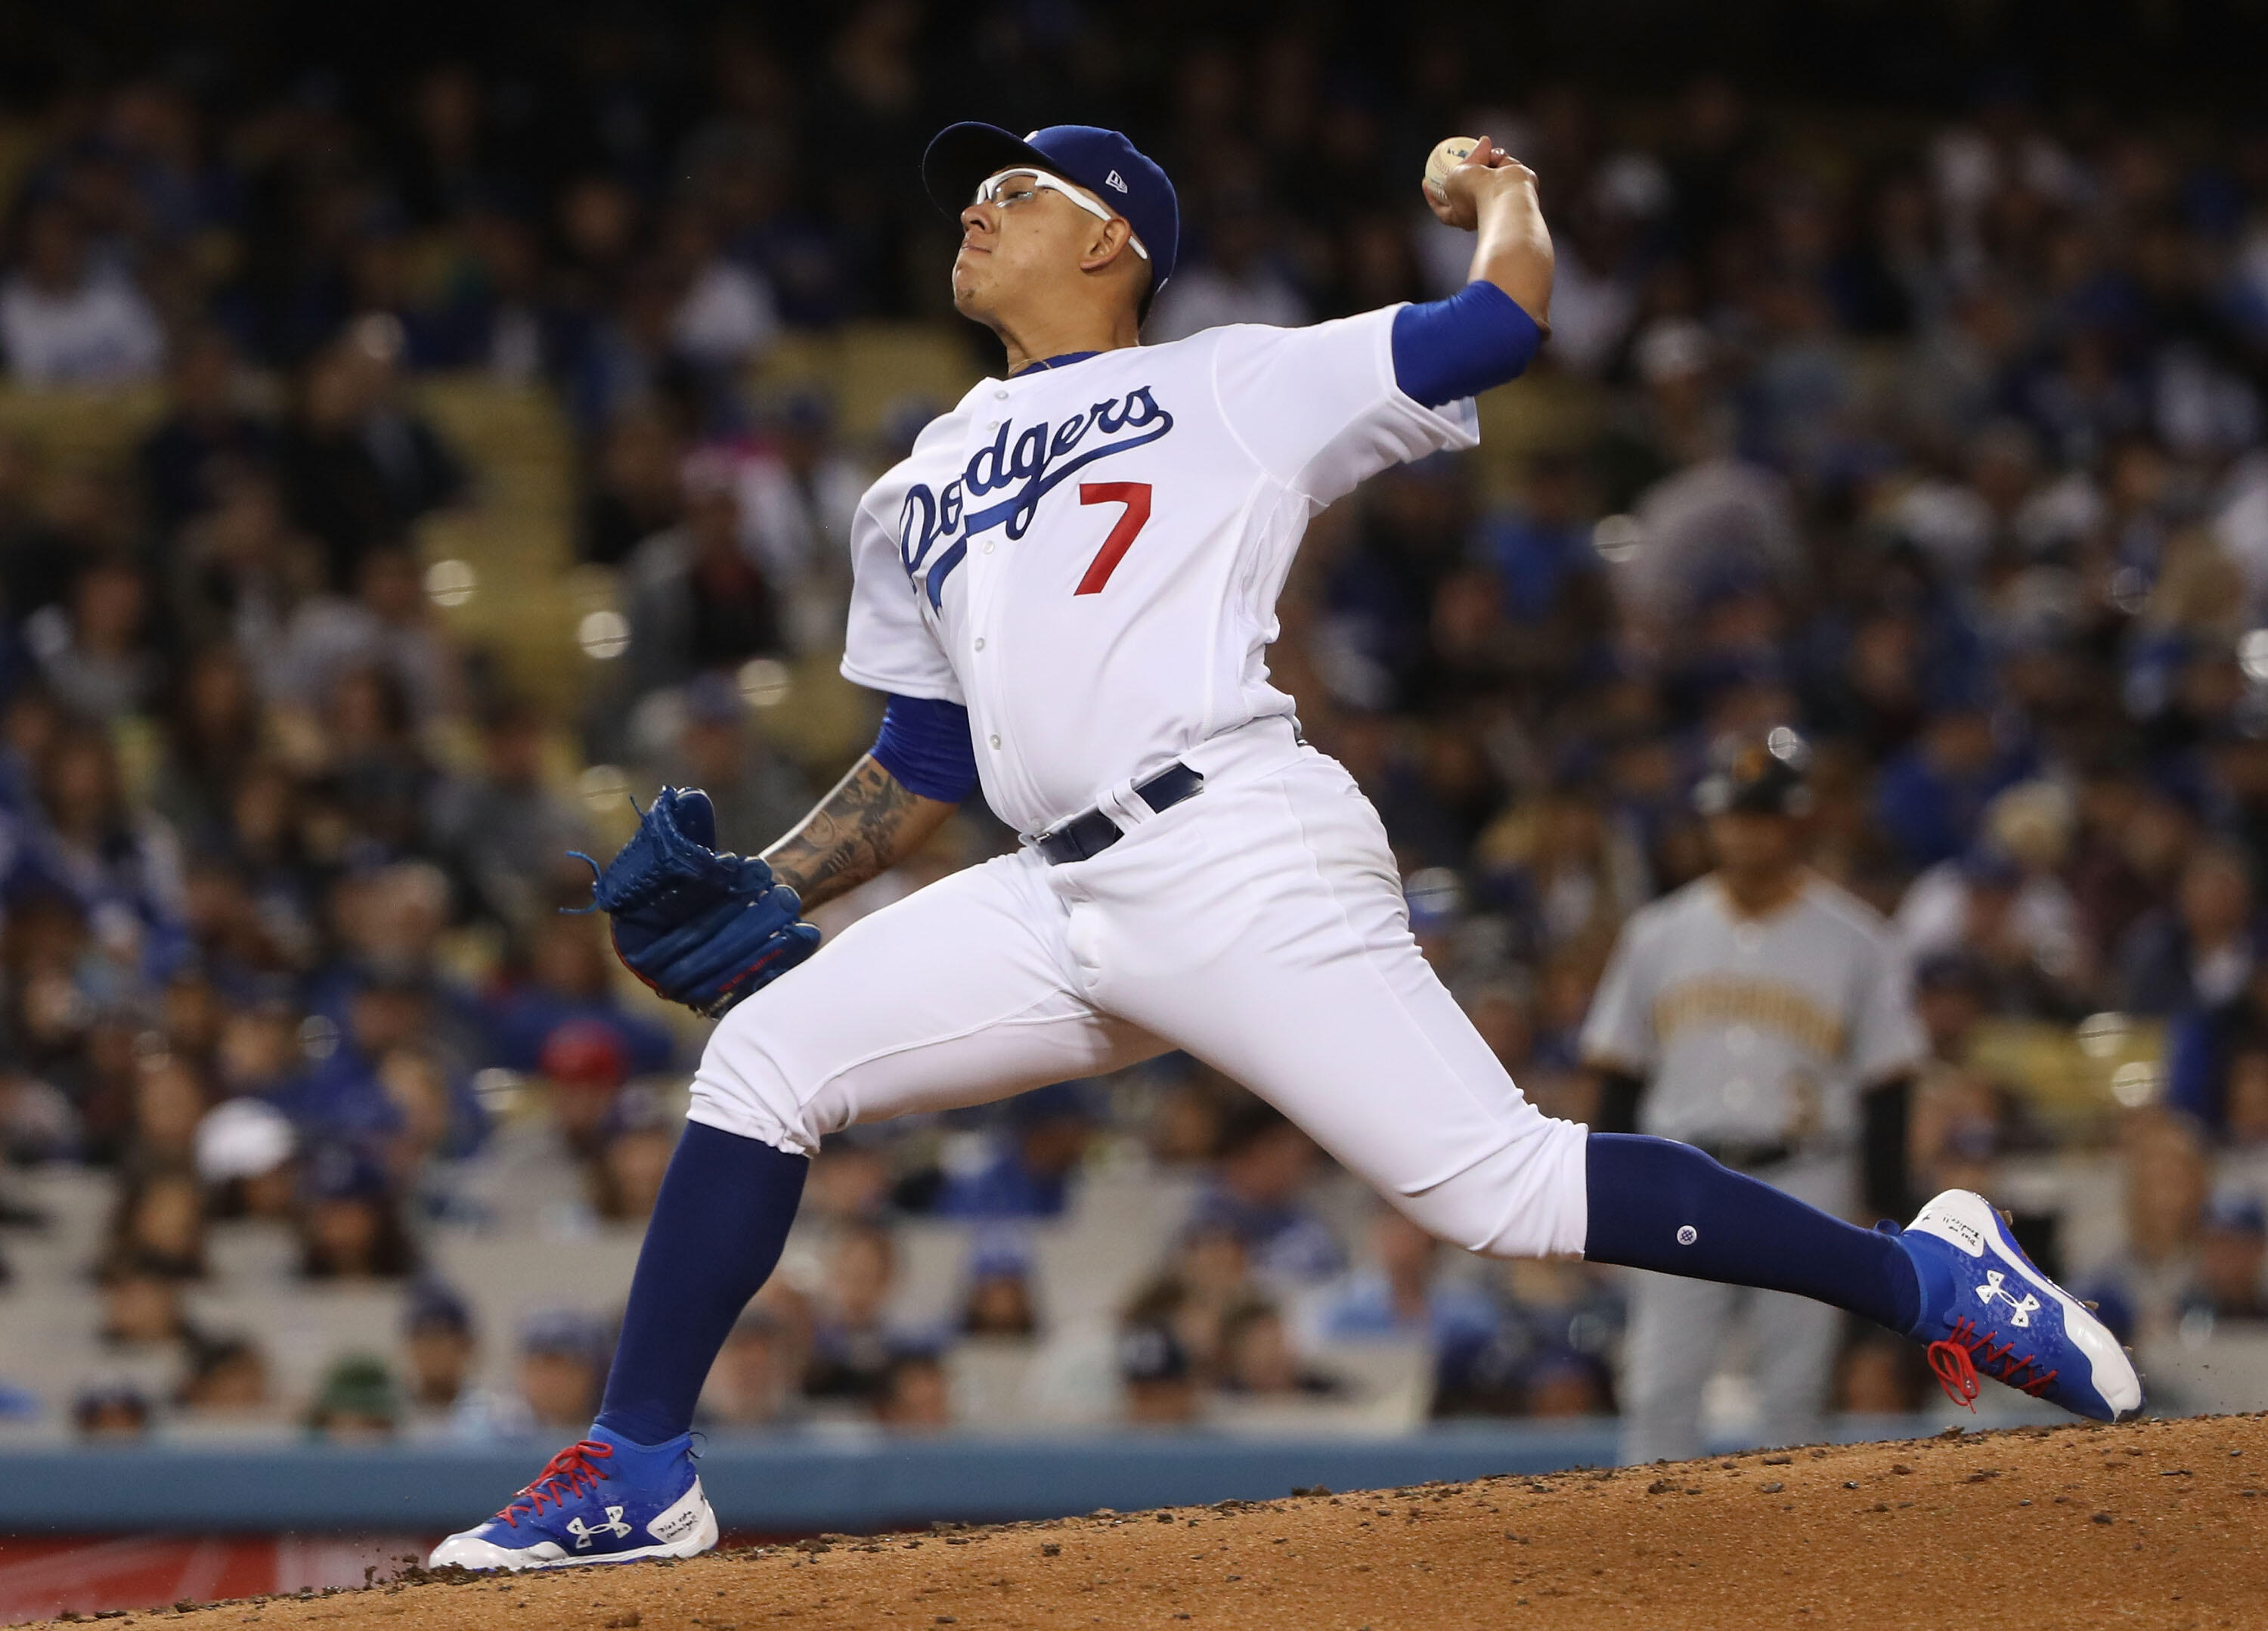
{"x": 1115, "y": 179}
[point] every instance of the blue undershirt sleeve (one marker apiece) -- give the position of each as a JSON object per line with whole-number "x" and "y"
{"x": 1477, "y": 338}
{"x": 925, "y": 743}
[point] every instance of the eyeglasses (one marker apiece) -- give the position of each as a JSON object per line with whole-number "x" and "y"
{"x": 1011, "y": 187}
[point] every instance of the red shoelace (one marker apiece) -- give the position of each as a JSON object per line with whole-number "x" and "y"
{"x": 569, "y": 1473}
{"x": 1955, "y": 1359}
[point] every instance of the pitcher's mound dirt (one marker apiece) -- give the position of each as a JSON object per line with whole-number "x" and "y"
{"x": 2154, "y": 1523}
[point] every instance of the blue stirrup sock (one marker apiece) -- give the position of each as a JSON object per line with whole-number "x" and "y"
{"x": 1664, "y": 1205}
{"x": 716, "y": 1234}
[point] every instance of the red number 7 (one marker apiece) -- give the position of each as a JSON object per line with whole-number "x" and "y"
{"x": 1136, "y": 496}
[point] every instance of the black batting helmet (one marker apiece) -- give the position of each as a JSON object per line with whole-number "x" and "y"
{"x": 1765, "y": 775}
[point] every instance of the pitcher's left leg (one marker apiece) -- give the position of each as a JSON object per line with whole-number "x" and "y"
{"x": 1261, "y": 926}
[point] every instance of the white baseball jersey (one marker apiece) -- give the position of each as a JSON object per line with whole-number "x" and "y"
{"x": 1755, "y": 1030}
{"x": 1089, "y": 556}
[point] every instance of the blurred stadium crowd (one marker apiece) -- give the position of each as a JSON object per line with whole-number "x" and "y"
{"x": 1937, "y": 436}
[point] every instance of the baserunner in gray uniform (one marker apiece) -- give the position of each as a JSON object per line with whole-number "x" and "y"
{"x": 1764, "y": 1015}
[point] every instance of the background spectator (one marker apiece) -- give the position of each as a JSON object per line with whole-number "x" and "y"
{"x": 357, "y": 1403}
{"x": 563, "y": 1359}
{"x": 2232, "y": 1245}
{"x": 757, "y": 1379}
{"x": 65, "y": 319}
{"x": 115, "y": 1411}
{"x": 915, "y": 1397}
{"x": 1257, "y": 1195}
{"x": 1161, "y": 1391}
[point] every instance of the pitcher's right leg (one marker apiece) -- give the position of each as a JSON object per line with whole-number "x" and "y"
{"x": 954, "y": 996}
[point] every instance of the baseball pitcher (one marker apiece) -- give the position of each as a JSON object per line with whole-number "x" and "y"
{"x": 1066, "y": 591}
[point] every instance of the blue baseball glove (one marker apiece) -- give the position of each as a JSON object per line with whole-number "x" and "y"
{"x": 701, "y": 928}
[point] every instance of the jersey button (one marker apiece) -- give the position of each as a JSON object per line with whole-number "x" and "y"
{"x": 996, "y": 742}
{"x": 987, "y": 548}
{"x": 980, "y": 645}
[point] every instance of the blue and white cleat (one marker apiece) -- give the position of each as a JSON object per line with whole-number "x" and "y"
{"x": 601, "y": 1500}
{"x": 1987, "y": 1310}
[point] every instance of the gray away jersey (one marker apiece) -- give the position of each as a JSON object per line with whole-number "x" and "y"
{"x": 1755, "y": 1030}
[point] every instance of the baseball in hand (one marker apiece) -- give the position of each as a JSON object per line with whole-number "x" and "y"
{"x": 1445, "y": 157}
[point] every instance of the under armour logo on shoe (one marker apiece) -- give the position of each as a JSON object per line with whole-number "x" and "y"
{"x": 1115, "y": 179}
{"x": 1996, "y": 1288}
{"x": 584, "y": 1534}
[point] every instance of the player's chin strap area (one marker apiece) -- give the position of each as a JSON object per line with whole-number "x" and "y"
{"x": 1090, "y": 834}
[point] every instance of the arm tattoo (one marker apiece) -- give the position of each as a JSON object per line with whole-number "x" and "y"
{"x": 867, "y": 825}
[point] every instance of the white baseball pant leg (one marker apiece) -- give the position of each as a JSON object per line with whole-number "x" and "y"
{"x": 1677, "y": 1335}
{"x": 1796, "y": 1340}
{"x": 1677, "y": 1330}
{"x": 1260, "y": 926}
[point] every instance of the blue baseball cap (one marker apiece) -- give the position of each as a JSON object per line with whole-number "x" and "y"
{"x": 432, "y": 1305}
{"x": 564, "y": 1332}
{"x": 1002, "y": 1253}
{"x": 1104, "y": 162}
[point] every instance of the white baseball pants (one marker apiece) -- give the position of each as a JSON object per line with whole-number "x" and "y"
{"x": 1259, "y": 926}
{"x": 1679, "y": 1330}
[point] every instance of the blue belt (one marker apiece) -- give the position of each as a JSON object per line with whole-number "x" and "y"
{"x": 1089, "y": 835}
